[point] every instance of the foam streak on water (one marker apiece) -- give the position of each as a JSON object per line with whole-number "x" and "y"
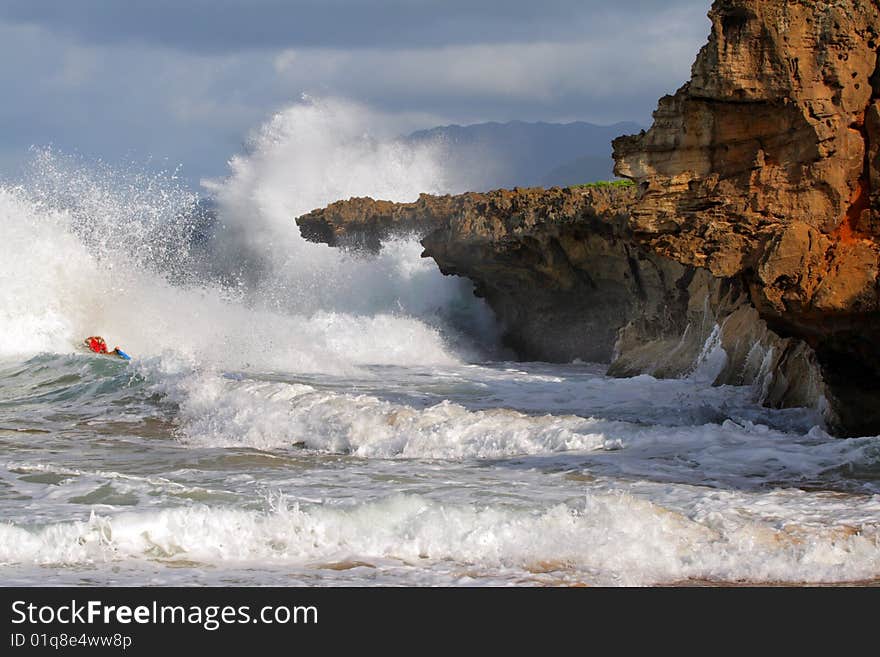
{"x": 296, "y": 414}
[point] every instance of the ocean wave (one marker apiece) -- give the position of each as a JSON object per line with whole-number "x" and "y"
{"x": 610, "y": 538}
{"x": 219, "y": 412}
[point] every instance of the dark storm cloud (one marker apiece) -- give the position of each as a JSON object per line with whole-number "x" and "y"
{"x": 185, "y": 82}
{"x": 224, "y": 25}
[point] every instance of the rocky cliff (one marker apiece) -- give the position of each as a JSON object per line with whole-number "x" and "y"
{"x": 754, "y": 225}
{"x": 555, "y": 265}
{"x": 557, "y": 269}
{"x": 765, "y": 168}
{"x": 567, "y": 279}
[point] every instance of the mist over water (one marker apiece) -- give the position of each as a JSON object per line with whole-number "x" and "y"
{"x": 298, "y": 411}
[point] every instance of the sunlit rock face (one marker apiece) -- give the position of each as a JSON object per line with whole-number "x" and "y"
{"x": 764, "y": 167}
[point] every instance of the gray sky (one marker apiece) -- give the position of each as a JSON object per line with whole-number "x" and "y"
{"x": 185, "y": 81}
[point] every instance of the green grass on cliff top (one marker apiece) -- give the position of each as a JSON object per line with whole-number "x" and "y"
{"x": 603, "y": 184}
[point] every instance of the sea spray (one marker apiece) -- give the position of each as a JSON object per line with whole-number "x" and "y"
{"x": 113, "y": 253}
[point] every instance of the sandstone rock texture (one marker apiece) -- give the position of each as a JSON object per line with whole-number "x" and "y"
{"x": 721, "y": 339}
{"x": 765, "y": 168}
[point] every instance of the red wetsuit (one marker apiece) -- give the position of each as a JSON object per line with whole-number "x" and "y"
{"x": 98, "y": 346}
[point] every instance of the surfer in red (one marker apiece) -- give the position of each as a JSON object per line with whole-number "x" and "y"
{"x": 97, "y": 344}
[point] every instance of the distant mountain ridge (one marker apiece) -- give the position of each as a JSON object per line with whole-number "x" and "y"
{"x": 486, "y": 156}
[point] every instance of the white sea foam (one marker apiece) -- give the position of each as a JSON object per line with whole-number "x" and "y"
{"x": 272, "y": 415}
{"x": 610, "y": 537}
{"x": 712, "y": 358}
{"x": 263, "y": 415}
{"x": 46, "y": 275}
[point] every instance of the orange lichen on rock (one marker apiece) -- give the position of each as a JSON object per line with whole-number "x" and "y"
{"x": 848, "y": 231}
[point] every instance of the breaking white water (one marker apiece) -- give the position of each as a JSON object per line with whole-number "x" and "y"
{"x": 297, "y": 415}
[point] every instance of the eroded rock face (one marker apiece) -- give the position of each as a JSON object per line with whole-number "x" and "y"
{"x": 555, "y": 265}
{"x": 558, "y": 270}
{"x": 722, "y": 340}
{"x": 765, "y": 168}
{"x": 567, "y": 279}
